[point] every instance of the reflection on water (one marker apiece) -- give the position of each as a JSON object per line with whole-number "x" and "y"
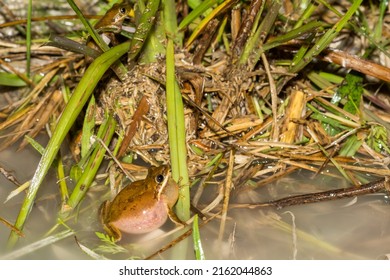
{"x": 344, "y": 229}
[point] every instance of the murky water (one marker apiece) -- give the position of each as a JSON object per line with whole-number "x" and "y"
{"x": 344, "y": 229}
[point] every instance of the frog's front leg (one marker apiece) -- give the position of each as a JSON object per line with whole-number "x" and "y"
{"x": 109, "y": 38}
{"x": 111, "y": 230}
{"x": 175, "y": 219}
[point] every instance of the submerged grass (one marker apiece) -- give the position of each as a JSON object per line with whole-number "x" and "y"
{"x": 246, "y": 91}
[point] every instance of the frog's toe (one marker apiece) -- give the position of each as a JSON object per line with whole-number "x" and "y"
{"x": 113, "y": 232}
{"x": 174, "y": 218}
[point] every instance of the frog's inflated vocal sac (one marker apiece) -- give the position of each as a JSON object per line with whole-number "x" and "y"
{"x": 142, "y": 206}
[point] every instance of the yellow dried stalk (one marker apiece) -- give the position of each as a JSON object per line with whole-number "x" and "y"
{"x": 295, "y": 111}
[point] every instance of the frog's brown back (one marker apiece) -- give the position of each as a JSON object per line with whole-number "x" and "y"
{"x": 138, "y": 196}
{"x": 126, "y": 199}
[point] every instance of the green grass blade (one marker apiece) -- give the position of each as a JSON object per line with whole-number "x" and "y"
{"x": 336, "y": 164}
{"x": 28, "y": 39}
{"x": 177, "y": 135}
{"x": 199, "y": 253}
{"x": 80, "y": 96}
{"x": 88, "y": 127}
{"x": 91, "y": 31}
{"x": 144, "y": 26}
{"x": 176, "y": 129}
{"x": 105, "y": 133}
{"x": 154, "y": 46}
{"x": 326, "y": 39}
{"x": 351, "y": 146}
{"x": 38, "y": 147}
{"x": 253, "y": 47}
{"x": 309, "y": 10}
{"x": 170, "y": 23}
{"x": 292, "y": 34}
{"x": 47, "y": 241}
{"x": 203, "y": 7}
{"x": 62, "y": 181}
{"x": 176, "y": 123}
{"x": 378, "y": 30}
{"x": 119, "y": 69}
{"x": 214, "y": 13}
{"x": 11, "y": 80}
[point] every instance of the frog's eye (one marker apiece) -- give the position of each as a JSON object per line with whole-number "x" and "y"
{"x": 159, "y": 178}
{"x": 122, "y": 10}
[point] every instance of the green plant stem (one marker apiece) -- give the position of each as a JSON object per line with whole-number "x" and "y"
{"x": 91, "y": 31}
{"x": 311, "y": 27}
{"x": 311, "y": 7}
{"x": 119, "y": 69}
{"x": 88, "y": 127}
{"x": 176, "y": 123}
{"x": 106, "y": 131}
{"x": 62, "y": 181}
{"x": 199, "y": 9}
{"x": 177, "y": 136}
{"x": 144, "y": 26}
{"x": 177, "y": 145}
{"x": 253, "y": 47}
{"x": 378, "y": 30}
{"x": 28, "y": 39}
{"x": 170, "y": 23}
{"x": 199, "y": 253}
{"x": 154, "y": 45}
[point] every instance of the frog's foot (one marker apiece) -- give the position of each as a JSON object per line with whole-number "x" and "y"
{"x": 174, "y": 218}
{"x": 110, "y": 230}
{"x": 113, "y": 232}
